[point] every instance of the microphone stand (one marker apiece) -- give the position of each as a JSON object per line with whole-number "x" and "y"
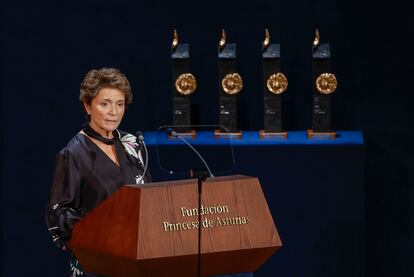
{"x": 201, "y": 176}
{"x": 140, "y": 137}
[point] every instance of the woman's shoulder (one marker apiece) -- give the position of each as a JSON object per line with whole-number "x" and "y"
{"x": 75, "y": 146}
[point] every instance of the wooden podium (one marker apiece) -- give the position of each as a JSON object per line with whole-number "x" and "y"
{"x": 152, "y": 229}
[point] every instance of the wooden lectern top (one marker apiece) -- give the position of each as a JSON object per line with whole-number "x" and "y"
{"x": 152, "y": 229}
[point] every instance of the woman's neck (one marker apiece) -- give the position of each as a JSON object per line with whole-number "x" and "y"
{"x": 104, "y": 133}
{"x": 101, "y": 136}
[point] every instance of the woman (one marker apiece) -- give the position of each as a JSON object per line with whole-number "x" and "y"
{"x": 97, "y": 161}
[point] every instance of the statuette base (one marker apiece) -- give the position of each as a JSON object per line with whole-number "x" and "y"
{"x": 263, "y": 134}
{"x": 328, "y": 135}
{"x": 220, "y": 134}
{"x": 190, "y": 134}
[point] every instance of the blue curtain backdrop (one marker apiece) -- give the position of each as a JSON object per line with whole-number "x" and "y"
{"x": 48, "y": 46}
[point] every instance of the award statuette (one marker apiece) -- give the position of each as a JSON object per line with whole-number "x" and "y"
{"x": 275, "y": 84}
{"x": 184, "y": 84}
{"x": 230, "y": 85}
{"x": 325, "y": 84}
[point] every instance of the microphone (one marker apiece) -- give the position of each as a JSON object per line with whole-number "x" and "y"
{"x": 139, "y": 135}
{"x": 140, "y": 138}
{"x": 173, "y": 133}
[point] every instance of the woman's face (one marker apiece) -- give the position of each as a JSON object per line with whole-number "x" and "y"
{"x": 106, "y": 110}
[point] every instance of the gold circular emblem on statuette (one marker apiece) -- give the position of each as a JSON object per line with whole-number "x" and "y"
{"x": 277, "y": 83}
{"x": 185, "y": 84}
{"x": 232, "y": 83}
{"x": 326, "y": 83}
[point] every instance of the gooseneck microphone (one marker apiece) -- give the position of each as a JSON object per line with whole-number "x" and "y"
{"x": 140, "y": 138}
{"x": 173, "y": 133}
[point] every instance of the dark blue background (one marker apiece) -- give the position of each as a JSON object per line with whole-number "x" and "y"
{"x": 48, "y": 46}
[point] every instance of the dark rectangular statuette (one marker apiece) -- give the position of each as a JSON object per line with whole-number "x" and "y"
{"x": 183, "y": 85}
{"x": 274, "y": 83}
{"x": 230, "y": 84}
{"x": 324, "y": 84}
